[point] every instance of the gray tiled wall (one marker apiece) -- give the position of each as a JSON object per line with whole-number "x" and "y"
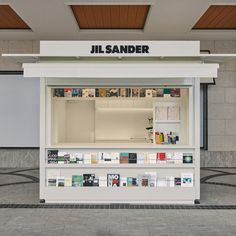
{"x": 221, "y": 105}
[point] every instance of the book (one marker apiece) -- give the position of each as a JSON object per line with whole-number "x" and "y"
{"x": 68, "y": 92}
{"x": 143, "y": 180}
{"x": 122, "y": 92}
{"x": 52, "y": 182}
{"x": 75, "y": 92}
{"x": 88, "y": 180}
{"x": 152, "y": 158}
{"x": 173, "y": 112}
{"x": 113, "y": 92}
{"x": 80, "y": 92}
{"x": 79, "y": 158}
{"x": 77, "y": 180}
{"x": 107, "y": 157}
{"x": 186, "y": 179}
{"x": 140, "y": 158}
{"x": 175, "y": 92}
{"x": 161, "y": 157}
{"x": 123, "y": 182}
{"x": 91, "y": 92}
{"x": 153, "y": 179}
{"x": 66, "y": 158}
{"x": 177, "y": 157}
{"x": 129, "y": 181}
{"x": 160, "y": 92}
{"x": 113, "y": 180}
{"x": 124, "y": 158}
{"x": 52, "y": 156}
{"x": 61, "y": 158}
{"x": 94, "y": 158}
{"x": 170, "y": 181}
{"x": 97, "y": 92}
{"x": 102, "y": 92}
{"x": 135, "y": 92}
{"x": 102, "y": 181}
{"x": 161, "y": 113}
{"x": 115, "y": 157}
{"x": 154, "y": 92}
{"x": 148, "y": 93}
{"x": 177, "y": 181}
{"x": 96, "y": 182}
{"x": 166, "y": 92}
{"x": 187, "y": 158}
{"x": 85, "y": 93}
{"x": 73, "y": 158}
{"x": 132, "y": 158}
{"x": 60, "y": 181}
{"x": 68, "y": 181}
{"x": 142, "y": 92}
{"x": 59, "y": 92}
{"x": 87, "y": 158}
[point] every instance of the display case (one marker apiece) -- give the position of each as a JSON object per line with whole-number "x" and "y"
{"x": 119, "y": 128}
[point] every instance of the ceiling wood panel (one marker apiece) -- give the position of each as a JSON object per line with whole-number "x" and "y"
{"x": 10, "y": 20}
{"x": 110, "y": 16}
{"x": 218, "y": 17}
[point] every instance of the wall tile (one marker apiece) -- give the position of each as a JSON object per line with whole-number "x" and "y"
{"x": 225, "y": 46}
{"x": 20, "y": 46}
{"x": 230, "y": 95}
{"x": 230, "y": 127}
{"x": 207, "y": 45}
{"x": 216, "y": 95}
{"x": 216, "y": 127}
{"x": 216, "y": 143}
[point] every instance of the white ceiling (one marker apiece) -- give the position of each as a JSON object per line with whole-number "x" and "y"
{"x": 167, "y": 20}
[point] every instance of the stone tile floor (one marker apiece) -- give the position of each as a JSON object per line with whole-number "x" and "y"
{"x": 116, "y": 222}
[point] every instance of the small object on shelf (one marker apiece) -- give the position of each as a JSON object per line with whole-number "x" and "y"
{"x": 159, "y": 92}
{"x": 113, "y": 92}
{"x": 113, "y": 180}
{"x": 177, "y": 181}
{"x": 77, "y": 180}
{"x": 79, "y": 158}
{"x": 133, "y": 158}
{"x": 186, "y": 179}
{"x": 59, "y": 92}
{"x": 135, "y": 92}
{"x": 73, "y": 158}
{"x": 52, "y": 182}
{"x": 94, "y": 158}
{"x": 85, "y": 93}
{"x": 166, "y": 92}
{"x": 161, "y": 157}
{"x": 175, "y": 92}
{"x": 143, "y": 180}
{"x": 68, "y": 181}
{"x": 66, "y": 158}
{"x": 148, "y": 93}
{"x": 52, "y": 156}
{"x": 124, "y": 158}
{"x": 60, "y": 181}
{"x": 102, "y": 92}
{"x": 88, "y": 180}
{"x": 75, "y": 92}
{"x": 187, "y": 158}
{"x": 142, "y": 92}
{"x": 68, "y": 92}
{"x": 169, "y": 138}
{"x": 122, "y": 92}
{"x": 91, "y": 93}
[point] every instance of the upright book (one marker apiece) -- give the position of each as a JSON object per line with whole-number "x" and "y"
{"x": 113, "y": 180}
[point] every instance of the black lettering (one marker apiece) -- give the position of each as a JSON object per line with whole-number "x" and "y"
{"x": 93, "y": 49}
{"x": 100, "y": 49}
{"x": 115, "y": 49}
{"x": 123, "y": 49}
{"x": 108, "y": 49}
{"x": 131, "y": 49}
{"x": 145, "y": 49}
{"x": 138, "y": 49}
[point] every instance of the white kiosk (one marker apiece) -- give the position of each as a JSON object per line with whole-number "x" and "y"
{"x": 120, "y": 120}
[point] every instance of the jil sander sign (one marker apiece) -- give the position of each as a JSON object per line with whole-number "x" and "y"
{"x": 119, "y": 49}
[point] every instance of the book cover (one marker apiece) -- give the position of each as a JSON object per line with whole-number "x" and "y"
{"x": 132, "y": 158}
{"x": 177, "y": 157}
{"x": 160, "y": 92}
{"x": 73, "y": 158}
{"x": 52, "y": 156}
{"x": 135, "y": 92}
{"x": 68, "y": 181}
{"x": 66, "y": 158}
{"x": 175, "y": 92}
{"x": 68, "y": 92}
{"x": 143, "y": 180}
{"x": 75, "y": 92}
{"x": 140, "y": 158}
{"x": 170, "y": 181}
{"x": 94, "y": 158}
{"x": 61, "y": 157}
{"x": 153, "y": 179}
{"x": 96, "y": 182}
{"x": 80, "y": 92}
{"x": 154, "y": 92}
{"x": 129, "y": 181}
{"x": 91, "y": 92}
{"x": 186, "y": 179}
{"x": 107, "y": 157}
{"x": 166, "y": 92}
{"x": 142, "y": 92}
{"x": 52, "y": 182}
{"x": 177, "y": 181}
{"x": 87, "y": 158}
{"x": 128, "y": 92}
{"x": 115, "y": 157}
{"x": 102, "y": 181}
{"x": 148, "y": 93}
{"x": 122, "y": 92}
{"x": 188, "y": 158}
{"x": 59, "y": 92}
{"x": 88, "y": 180}
{"x": 152, "y": 158}
{"x": 113, "y": 180}
{"x": 79, "y": 158}
{"x": 60, "y": 181}
{"x": 113, "y": 92}
{"x": 124, "y": 158}
{"x": 85, "y": 93}
{"x": 102, "y": 92}
{"x": 77, "y": 180}
{"x": 161, "y": 157}
{"x": 134, "y": 182}
{"x": 97, "y": 92}
{"x": 123, "y": 181}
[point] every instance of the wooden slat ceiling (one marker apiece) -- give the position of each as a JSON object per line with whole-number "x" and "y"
{"x": 10, "y": 20}
{"x": 110, "y": 16}
{"x": 218, "y": 17}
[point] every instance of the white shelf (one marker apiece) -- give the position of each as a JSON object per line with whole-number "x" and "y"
{"x": 118, "y": 145}
{"x": 121, "y": 166}
{"x": 167, "y": 121}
